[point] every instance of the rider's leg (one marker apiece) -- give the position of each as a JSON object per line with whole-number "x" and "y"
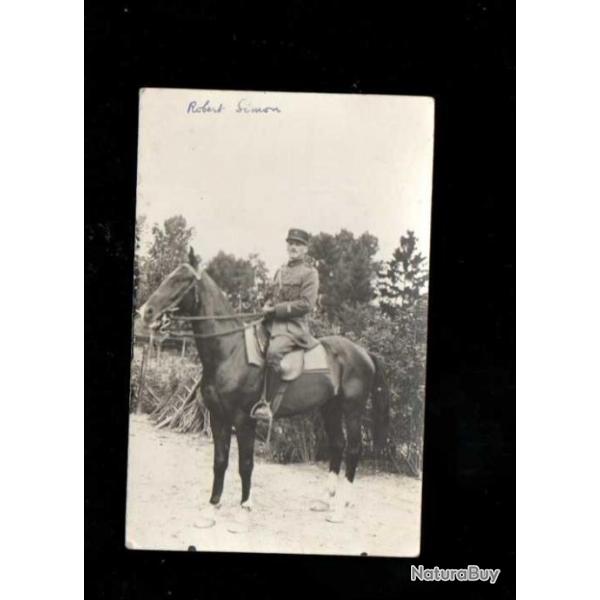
{"x": 279, "y": 346}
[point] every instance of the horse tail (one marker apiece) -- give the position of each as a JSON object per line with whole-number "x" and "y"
{"x": 380, "y": 395}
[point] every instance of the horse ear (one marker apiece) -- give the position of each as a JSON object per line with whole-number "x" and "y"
{"x": 192, "y": 259}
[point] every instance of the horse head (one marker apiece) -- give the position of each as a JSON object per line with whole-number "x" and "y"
{"x": 176, "y": 292}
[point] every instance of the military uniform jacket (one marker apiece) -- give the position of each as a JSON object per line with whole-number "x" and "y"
{"x": 294, "y": 295}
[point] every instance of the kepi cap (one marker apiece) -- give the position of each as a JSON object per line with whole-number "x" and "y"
{"x": 298, "y": 235}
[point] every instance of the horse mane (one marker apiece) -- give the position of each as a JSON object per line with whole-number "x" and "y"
{"x": 220, "y": 303}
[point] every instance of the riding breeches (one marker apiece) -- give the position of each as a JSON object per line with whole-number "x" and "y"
{"x": 278, "y": 347}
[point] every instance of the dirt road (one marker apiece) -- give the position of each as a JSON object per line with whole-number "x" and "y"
{"x": 170, "y": 477}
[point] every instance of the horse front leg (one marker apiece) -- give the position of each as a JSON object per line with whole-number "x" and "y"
{"x": 246, "y": 434}
{"x": 221, "y": 430}
{"x": 245, "y": 431}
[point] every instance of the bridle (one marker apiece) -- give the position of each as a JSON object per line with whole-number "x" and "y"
{"x": 166, "y": 318}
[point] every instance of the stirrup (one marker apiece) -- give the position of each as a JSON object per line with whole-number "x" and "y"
{"x": 269, "y": 417}
{"x": 262, "y": 403}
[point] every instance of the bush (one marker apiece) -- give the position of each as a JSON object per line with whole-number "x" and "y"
{"x": 161, "y": 377}
{"x": 300, "y": 439}
{"x": 400, "y": 343}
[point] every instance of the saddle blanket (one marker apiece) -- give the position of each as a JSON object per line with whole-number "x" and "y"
{"x": 293, "y": 364}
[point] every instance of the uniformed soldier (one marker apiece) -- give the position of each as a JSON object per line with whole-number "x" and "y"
{"x": 293, "y": 295}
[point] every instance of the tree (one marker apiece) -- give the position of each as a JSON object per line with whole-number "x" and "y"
{"x": 138, "y": 262}
{"x": 243, "y": 280}
{"x": 262, "y": 280}
{"x": 168, "y": 250}
{"x": 347, "y": 269}
{"x": 403, "y": 278}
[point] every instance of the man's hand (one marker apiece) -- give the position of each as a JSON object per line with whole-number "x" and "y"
{"x": 268, "y": 309}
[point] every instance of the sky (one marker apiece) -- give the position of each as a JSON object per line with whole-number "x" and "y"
{"x": 319, "y": 162}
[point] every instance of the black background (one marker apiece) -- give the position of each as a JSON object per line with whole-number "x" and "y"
{"x": 462, "y": 54}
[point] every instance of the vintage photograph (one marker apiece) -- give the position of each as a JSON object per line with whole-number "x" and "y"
{"x": 279, "y": 322}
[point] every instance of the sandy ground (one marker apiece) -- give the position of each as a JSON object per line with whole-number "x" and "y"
{"x": 169, "y": 481}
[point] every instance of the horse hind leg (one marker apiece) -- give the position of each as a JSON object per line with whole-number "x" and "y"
{"x": 332, "y": 419}
{"x": 353, "y": 452}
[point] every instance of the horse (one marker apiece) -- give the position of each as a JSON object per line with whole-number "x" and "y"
{"x": 230, "y": 387}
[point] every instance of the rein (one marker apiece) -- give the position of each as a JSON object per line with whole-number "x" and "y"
{"x": 203, "y": 336}
{"x": 174, "y": 307}
{"x": 218, "y": 317}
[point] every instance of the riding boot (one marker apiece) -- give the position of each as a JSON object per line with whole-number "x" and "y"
{"x": 280, "y": 388}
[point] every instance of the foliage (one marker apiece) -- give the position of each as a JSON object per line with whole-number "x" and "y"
{"x": 297, "y": 440}
{"x": 262, "y": 280}
{"x": 166, "y": 392}
{"x": 161, "y": 375}
{"x": 138, "y": 260}
{"x": 395, "y": 340}
{"x": 243, "y": 280}
{"x": 347, "y": 269}
{"x": 169, "y": 249}
{"x": 403, "y": 277}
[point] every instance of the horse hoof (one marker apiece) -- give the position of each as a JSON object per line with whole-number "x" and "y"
{"x": 319, "y": 506}
{"x": 335, "y": 518}
{"x": 204, "y": 522}
{"x": 242, "y": 523}
{"x": 238, "y": 527}
{"x": 207, "y": 517}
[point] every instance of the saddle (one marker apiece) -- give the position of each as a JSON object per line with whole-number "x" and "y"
{"x": 293, "y": 364}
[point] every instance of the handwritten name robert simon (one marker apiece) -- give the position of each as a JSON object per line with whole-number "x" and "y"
{"x": 242, "y": 106}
